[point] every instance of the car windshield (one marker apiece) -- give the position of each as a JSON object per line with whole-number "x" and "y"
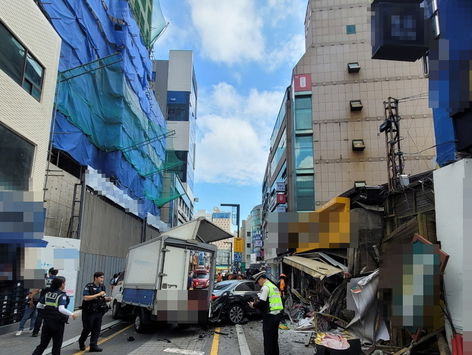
{"x": 223, "y": 285}
{"x": 201, "y": 276}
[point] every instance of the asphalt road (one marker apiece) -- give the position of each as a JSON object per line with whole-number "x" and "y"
{"x": 165, "y": 339}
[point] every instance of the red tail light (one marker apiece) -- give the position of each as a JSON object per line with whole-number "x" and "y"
{"x": 213, "y": 297}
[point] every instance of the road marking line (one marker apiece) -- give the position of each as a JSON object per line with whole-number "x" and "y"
{"x": 215, "y": 343}
{"x": 183, "y": 351}
{"x": 243, "y": 347}
{"x": 105, "y": 339}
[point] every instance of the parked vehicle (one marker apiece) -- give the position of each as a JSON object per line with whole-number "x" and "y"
{"x": 230, "y": 298}
{"x": 156, "y": 276}
{"x": 201, "y": 279}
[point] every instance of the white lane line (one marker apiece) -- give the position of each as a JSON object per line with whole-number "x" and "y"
{"x": 243, "y": 347}
{"x": 183, "y": 351}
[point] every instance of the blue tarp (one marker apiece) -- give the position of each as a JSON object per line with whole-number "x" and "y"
{"x": 449, "y": 65}
{"x": 108, "y": 109}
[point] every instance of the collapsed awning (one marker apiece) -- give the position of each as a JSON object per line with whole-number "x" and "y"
{"x": 199, "y": 229}
{"x": 314, "y": 268}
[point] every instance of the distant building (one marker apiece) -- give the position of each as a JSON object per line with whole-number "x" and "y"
{"x": 175, "y": 88}
{"x": 254, "y": 240}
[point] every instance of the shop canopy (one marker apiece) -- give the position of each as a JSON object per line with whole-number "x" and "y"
{"x": 315, "y": 268}
{"x": 200, "y": 229}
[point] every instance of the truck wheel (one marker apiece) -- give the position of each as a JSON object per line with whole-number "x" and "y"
{"x": 116, "y": 310}
{"x": 139, "y": 322}
{"x": 235, "y": 313}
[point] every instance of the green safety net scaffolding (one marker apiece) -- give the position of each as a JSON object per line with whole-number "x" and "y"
{"x": 97, "y": 99}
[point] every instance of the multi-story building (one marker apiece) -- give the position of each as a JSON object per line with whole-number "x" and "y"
{"x": 224, "y": 257}
{"x": 28, "y": 72}
{"x": 142, "y": 10}
{"x": 175, "y": 88}
{"x": 254, "y": 241}
{"x": 326, "y": 138}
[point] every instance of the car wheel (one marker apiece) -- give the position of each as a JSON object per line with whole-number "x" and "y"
{"x": 116, "y": 310}
{"x": 235, "y": 313}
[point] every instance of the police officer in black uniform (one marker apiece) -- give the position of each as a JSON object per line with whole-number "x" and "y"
{"x": 55, "y": 316}
{"x": 93, "y": 308}
{"x": 52, "y": 274}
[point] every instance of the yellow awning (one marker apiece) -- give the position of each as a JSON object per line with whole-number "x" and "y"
{"x": 314, "y": 268}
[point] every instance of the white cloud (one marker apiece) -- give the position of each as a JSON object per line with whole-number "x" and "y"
{"x": 230, "y": 31}
{"x": 234, "y": 132}
{"x": 280, "y": 10}
{"x": 236, "y": 32}
{"x": 288, "y": 53}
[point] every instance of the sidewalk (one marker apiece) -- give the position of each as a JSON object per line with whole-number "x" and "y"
{"x": 291, "y": 342}
{"x": 25, "y": 343}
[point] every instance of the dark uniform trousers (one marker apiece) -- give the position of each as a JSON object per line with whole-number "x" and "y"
{"x": 39, "y": 321}
{"x": 270, "y": 331}
{"x": 52, "y": 329}
{"x": 92, "y": 323}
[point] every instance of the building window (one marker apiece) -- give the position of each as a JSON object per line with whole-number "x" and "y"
{"x": 14, "y": 173}
{"x": 351, "y": 29}
{"x": 305, "y": 194}
{"x": 303, "y": 108}
{"x": 304, "y": 152}
{"x": 248, "y": 245}
{"x": 178, "y": 112}
{"x": 19, "y": 64}
{"x": 279, "y": 152}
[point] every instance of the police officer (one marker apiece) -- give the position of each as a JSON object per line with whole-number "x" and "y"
{"x": 270, "y": 302}
{"x": 55, "y": 316}
{"x": 93, "y": 308}
{"x": 52, "y": 274}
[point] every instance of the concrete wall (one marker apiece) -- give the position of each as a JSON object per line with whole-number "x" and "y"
{"x": 19, "y": 111}
{"x": 91, "y": 263}
{"x": 180, "y": 70}
{"x": 453, "y": 196}
{"x": 59, "y": 200}
{"x": 107, "y": 232}
{"x": 161, "y": 68}
{"x": 106, "y": 229}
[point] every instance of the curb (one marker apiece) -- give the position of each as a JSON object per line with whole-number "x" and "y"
{"x": 243, "y": 347}
{"x": 76, "y": 338}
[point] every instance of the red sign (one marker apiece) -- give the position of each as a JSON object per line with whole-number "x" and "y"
{"x": 302, "y": 82}
{"x": 281, "y": 198}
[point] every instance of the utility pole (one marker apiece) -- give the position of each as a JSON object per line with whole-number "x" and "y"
{"x": 395, "y": 159}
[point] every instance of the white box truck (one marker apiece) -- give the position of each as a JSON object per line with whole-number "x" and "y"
{"x": 157, "y": 284}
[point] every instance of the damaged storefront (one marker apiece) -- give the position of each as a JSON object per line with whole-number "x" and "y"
{"x": 364, "y": 272}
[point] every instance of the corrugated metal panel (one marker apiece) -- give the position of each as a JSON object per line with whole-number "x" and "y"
{"x": 91, "y": 263}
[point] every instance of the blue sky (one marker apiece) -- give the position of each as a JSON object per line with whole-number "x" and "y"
{"x": 244, "y": 52}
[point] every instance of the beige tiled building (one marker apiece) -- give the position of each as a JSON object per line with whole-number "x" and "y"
{"x": 28, "y": 72}
{"x": 337, "y": 32}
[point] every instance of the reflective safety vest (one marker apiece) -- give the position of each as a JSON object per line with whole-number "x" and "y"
{"x": 51, "y": 309}
{"x": 274, "y": 298}
{"x": 51, "y": 299}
